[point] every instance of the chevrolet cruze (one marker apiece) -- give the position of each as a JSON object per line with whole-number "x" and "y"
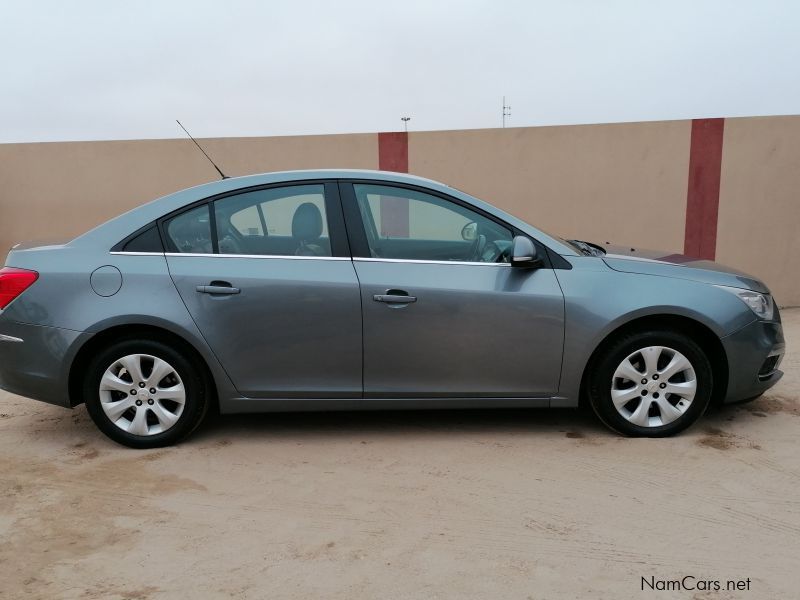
{"x": 331, "y": 290}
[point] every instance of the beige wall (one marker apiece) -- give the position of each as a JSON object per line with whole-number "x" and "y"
{"x": 759, "y": 205}
{"x": 621, "y": 183}
{"x": 63, "y": 189}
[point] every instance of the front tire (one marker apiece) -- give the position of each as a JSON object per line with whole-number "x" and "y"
{"x": 650, "y": 384}
{"x": 145, "y": 393}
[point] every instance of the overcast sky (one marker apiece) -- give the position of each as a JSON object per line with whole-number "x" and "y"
{"x": 102, "y": 69}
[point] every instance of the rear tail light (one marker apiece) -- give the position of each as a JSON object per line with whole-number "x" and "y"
{"x": 13, "y": 282}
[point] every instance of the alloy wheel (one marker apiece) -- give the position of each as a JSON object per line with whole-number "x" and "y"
{"x": 142, "y": 394}
{"x": 653, "y": 386}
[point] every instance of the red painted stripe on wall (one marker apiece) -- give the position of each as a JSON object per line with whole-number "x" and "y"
{"x": 393, "y": 156}
{"x": 393, "y": 151}
{"x": 702, "y": 195}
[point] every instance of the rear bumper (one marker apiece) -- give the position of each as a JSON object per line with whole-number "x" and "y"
{"x": 34, "y": 360}
{"x": 754, "y": 355}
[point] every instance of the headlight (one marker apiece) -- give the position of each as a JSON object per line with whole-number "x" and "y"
{"x": 761, "y": 304}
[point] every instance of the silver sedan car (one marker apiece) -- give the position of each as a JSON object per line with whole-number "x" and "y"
{"x": 331, "y": 290}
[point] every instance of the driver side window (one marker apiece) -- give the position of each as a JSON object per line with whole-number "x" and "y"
{"x": 406, "y": 224}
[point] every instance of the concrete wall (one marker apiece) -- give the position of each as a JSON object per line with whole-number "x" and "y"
{"x": 759, "y": 206}
{"x": 623, "y": 183}
{"x": 63, "y": 189}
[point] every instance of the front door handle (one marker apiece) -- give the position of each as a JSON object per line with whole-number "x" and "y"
{"x": 221, "y": 288}
{"x": 394, "y": 297}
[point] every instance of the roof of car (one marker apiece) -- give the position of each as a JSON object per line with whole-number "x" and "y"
{"x": 293, "y": 175}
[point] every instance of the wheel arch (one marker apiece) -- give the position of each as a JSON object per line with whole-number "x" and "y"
{"x": 701, "y": 333}
{"x": 118, "y": 331}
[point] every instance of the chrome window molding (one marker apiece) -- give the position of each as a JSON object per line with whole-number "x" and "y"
{"x": 10, "y": 338}
{"x": 432, "y": 262}
{"x": 292, "y": 257}
{"x": 267, "y": 256}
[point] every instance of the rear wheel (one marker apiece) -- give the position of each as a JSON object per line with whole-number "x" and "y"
{"x": 650, "y": 384}
{"x": 145, "y": 394}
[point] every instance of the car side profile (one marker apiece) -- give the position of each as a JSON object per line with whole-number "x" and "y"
{"x": 346, "y": 289}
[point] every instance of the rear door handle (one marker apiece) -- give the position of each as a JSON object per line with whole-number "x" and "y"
{"x": 222, "y": 288}
{"x": 394, "y": 297}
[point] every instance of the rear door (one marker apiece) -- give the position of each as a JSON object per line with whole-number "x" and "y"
{"x": 445, "y": 315}
{"x": 267, "y": 276}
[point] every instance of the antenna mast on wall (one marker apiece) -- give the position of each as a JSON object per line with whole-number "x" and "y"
{"x": 506, "y": 112}
{"x": 221, "y": 174}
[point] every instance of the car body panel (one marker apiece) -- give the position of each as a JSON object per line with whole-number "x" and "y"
{"x": 600, "y": 300}
{"x": 748, "y": 348}
{"x": 474, "y": 330}
{"x": 64, "y": 299}
{"x": 679, "y": 266}
{"x": 36, "y": 359}
{"x": 267, "y": 405}
{"x": 294, "y": 330}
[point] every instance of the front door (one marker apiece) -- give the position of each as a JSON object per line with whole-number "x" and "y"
{"x": 445, "y": 315}
{"x": 267, "y": 277}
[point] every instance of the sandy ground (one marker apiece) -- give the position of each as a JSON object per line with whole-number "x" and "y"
{"x": 489, "y": 504}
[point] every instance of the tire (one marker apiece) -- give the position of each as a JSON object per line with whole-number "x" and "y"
{"x": 662, "y": 401}
{"x": 168, "y": 409}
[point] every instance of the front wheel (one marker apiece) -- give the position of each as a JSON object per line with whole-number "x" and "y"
{"x": 144, "y": 393}
{"x": 650, "y": 384}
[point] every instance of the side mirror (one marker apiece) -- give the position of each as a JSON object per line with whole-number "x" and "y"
{"x": 524, "y": 253}
{"x": 469, "y": 233}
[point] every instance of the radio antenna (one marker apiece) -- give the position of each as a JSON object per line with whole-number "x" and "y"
{"x": 221, "y": 174}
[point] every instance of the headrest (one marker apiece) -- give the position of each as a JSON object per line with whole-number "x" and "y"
{"x": 307, "y": 222}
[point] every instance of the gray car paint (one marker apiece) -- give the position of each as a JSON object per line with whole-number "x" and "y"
{"x": 465, "y": 316}
{"x": 678, "y": 266}
{"x": 276, "y": 338}
{"x": 547, "y": 317}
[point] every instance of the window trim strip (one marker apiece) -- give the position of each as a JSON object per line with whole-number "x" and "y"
{"x": 339, "y": 258}
{"x": 267, "y": 256}
{"x": 431, "y": 262}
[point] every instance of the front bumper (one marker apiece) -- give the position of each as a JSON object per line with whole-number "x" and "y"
{"x": 754, "y": 355}
{"x": 35, "y": 359}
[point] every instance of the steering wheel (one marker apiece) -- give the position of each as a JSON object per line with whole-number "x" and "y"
{"x": 476, "y": 250}
{"x": 491, "y": 253}
{"x": 485, "y": 251}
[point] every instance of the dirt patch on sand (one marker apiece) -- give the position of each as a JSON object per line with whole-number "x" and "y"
{"x": 724, "y": 440}
{"x": 775, "y": 404}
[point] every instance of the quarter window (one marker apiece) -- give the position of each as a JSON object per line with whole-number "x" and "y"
{"x": 407, "y": 224}
{"x": 147, "y": 241}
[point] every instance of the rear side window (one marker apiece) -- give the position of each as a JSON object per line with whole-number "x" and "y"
{"x": 190, "y": 231}
{"x": 147, "y": 241}
{"x": 279, "y": 221}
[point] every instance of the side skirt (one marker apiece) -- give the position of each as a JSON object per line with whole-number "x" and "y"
{"x": 262, "y": 405}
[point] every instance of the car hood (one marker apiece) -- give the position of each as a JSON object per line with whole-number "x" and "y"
{"x": 679, "y": 266}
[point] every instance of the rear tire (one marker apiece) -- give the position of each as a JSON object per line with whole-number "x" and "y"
{"x": 652, "y": 383}
{"x": 145, "y": 393}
